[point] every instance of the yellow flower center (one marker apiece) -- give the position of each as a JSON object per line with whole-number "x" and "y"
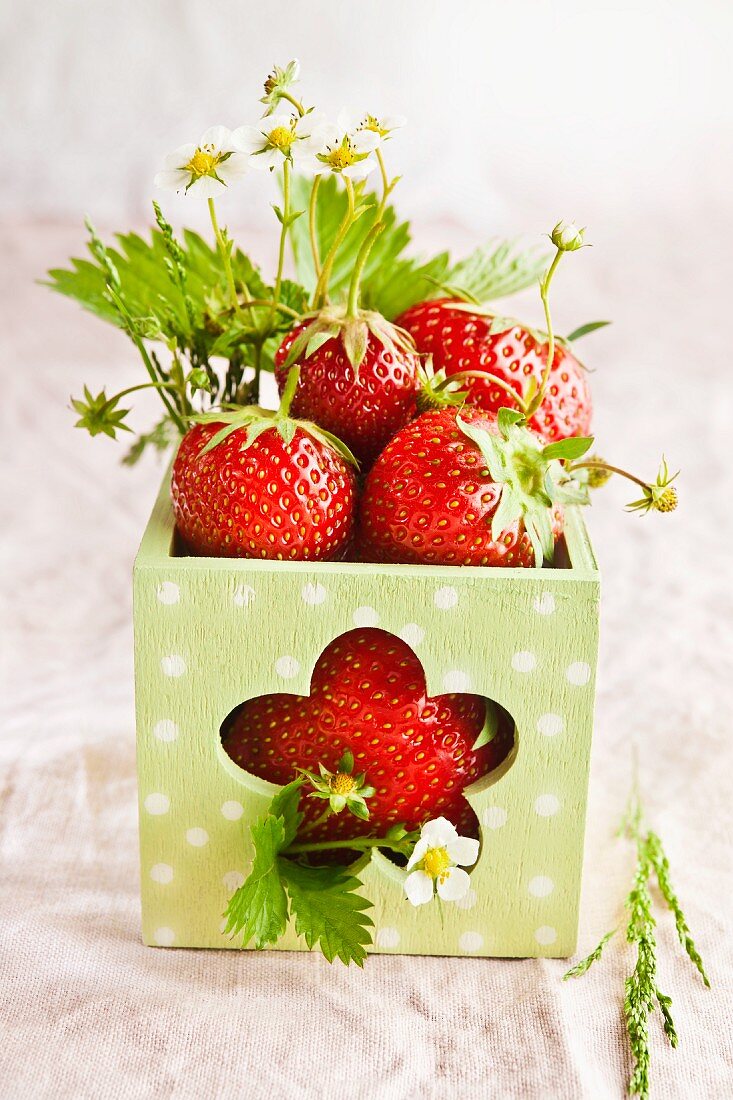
{"x": 373, "y": 124}
{"x": 342, "y": 784}
{"x": 341, "y": 157}
{"x": 203, "y": 161}
{"x": 667, "y": 501}
{"x": 282, "y": 137}
{"x": 436, "y": 862}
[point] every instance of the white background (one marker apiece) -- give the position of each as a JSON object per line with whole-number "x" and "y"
{"x": 615, "y": 114}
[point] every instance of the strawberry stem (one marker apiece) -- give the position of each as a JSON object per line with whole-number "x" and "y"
{"x": 361, "y": 259}
{"x": 362, "y": 844}
{"x": 312, "y": 211}
{"x": 485, "y": 376}
{"x": 295, "y": 102}
{"x": 368, "y": 243}
{"x": 283, "y": 239}
{"x": 596, "y": 464}
{"x": 544, "y": 294}
{"x": 321, "y": 291}
{"x": 286, "y": 400}
{"x": 225, "y": 257}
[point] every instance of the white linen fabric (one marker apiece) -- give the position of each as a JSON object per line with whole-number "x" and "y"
{"x": 86, "y": 1011}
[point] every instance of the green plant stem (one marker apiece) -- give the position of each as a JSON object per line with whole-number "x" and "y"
{"x": 386, "y": 186}
{"x": 485, "y": 376}
{"x": 321, "y": 291}
{"x": 258, "y": 370}
{"x": 544, "y": 294}
{"x": 295, "y": 102}
{"x": 283, "y": 241}
{"x": 594, "y": 464}
{"x": 225, "y": 257}
{"x": 291, "y": 386}
{"x": 140, "y": 386}
{"x": 312, "y": 227}
{"x": 278, "y": 307}
{"x": 361, "y": 845}
{"x": 369, "y": 240}
{"x": 361, "y": 259}
{"x": 138, "y": 342}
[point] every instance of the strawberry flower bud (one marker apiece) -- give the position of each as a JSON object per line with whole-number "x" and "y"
{"x": 341, "y": 789}
{"x": 567, "y": 237}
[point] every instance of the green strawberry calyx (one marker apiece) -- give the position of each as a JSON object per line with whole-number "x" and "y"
{"x": 332, "y": 322}
{"x": 531, "y": 474}
{"x": 657, "y": 496}
{"x": 257, "y": 420}
{"x": 341, "y": 789}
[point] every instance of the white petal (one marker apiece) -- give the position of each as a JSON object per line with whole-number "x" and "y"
{"x": 247, "y": 139}
{"x": 438, "y": 833}
{"x": 359, "y": 171}
{"x": 173, "y": 179}
{"x": 309, "y": 166}
{"x": 280, "y": 119}
{"x": 417, "y": 853}
{"x": 348, "y": 120}
{"x": 392, "y": 122}
{"x": 463, "y": 850}
{"x": 268, "y": 159}
{"x": 234, "y": 167}
{"x": 419, "y": 887}
{"x": 453, "y": 885}
{"x": 179, "y": 156}
{"x": 206, "y": 187}
{"x": 328, "y": 134}
{"x": 308, "y": 124}
{"x": 365, "y": 141}
{"x": 218, "y": 136}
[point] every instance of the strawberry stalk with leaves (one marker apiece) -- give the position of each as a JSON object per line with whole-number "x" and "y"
{"x": 642, "y": 993}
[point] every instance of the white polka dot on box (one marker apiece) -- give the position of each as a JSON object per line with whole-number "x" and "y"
{"x": 213, "y": 635}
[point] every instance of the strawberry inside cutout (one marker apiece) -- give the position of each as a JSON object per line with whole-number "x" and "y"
{"x": 369, "y": 698}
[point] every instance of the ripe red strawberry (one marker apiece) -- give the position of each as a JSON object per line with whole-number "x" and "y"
{"x": 368, "y": 696}
{"x": 461, "y": 340}
{"x": 358, "y": 378}
{"x": 269, "y": 487}
{"x": 463, "y": 487}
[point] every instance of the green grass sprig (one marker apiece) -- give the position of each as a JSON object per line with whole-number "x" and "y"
{"x": 642, "y": 995}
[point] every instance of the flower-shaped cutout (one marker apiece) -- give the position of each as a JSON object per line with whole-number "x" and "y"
{"x": 369, "y": 702}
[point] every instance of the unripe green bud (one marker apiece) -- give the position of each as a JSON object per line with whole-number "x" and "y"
{"x": 567, "y": 237}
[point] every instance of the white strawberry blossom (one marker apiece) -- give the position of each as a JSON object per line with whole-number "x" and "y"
{"x": 437, "y": 863}
{"x": 206, "y": 169}
{"x": 280, "y": 137}
{"x": 381, "y": 125}
{"x": 345, "y": 153}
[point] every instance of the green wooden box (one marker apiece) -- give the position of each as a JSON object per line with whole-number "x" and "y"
{"x": 213, "y": 632}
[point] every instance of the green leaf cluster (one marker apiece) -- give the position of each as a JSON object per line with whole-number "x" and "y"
{"x": 171, "y": 299}
{"x": 531, "y": 475}
{"x": 204, "y": 339}
{"x": 642, "y": 995}
{"x": 393, "y": 281}
{"x": 324, "y": 902}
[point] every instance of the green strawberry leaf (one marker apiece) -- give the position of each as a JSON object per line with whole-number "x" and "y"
{"x": 258, "y": 910}
{"x": 509, "y": 509}
{"x": 498, "y": 269}
{"x": 328, "y": 910}
{"x": 490, "y": 726}
{"x": 506, "y": 419}
{"x": 571, "y": 448}
{"x": 583, "y": 330}
{"x": 285, "y": 805}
